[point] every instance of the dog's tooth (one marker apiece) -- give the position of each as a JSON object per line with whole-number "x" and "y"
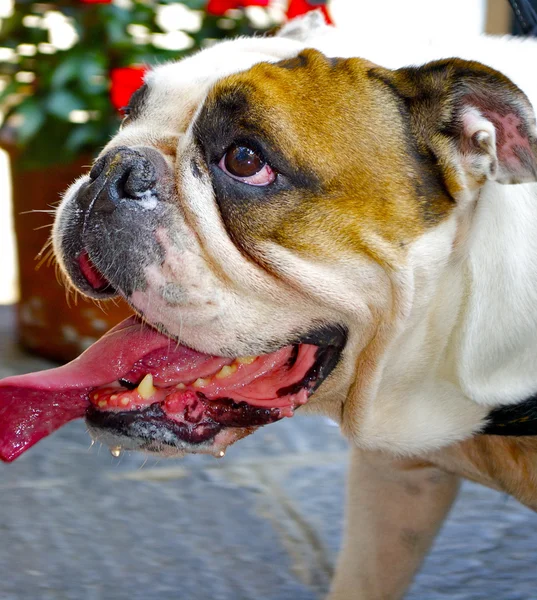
{"x": 125, "y": 401}
{"x": 226, "y": 371}
{"x": 245, "y": 360}
{"x": 146, "y": 389}
{"x": 102, "y": 403}
{"x": 200, "y": 382}
{"x": 180, "y": 386}
{"x": 115, "y": 451}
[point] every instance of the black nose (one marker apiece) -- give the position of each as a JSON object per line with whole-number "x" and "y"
{"x": 123, "y": 174}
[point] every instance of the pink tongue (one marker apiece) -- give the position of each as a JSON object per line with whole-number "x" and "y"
{"x": 33, "y": 406}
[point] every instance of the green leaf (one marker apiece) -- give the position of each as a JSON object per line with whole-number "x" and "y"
{"x": 83, "y": 135}
{"x": 61, "y": 102}
{"x": 116, "y": 32}
{"x": 66, "y": 71}
{"x": 33, "y": 117}
{"x": 10, "y": 88}
{"x": 195, "y": 4}
{"x": 92, "y": 75}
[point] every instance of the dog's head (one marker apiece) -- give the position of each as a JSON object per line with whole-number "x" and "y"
{"x": 284, "y": 219}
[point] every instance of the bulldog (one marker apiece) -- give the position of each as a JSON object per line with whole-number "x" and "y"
{"x": 301, "y": 229}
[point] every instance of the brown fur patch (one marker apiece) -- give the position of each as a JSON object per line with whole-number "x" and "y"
{"x": 330, "y": 123}
{"x": 507, "y": 464}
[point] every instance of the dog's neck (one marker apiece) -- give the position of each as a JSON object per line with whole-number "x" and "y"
{"x": 468, "y": 340}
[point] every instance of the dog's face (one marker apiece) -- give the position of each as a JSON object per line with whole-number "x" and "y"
{"x": 301, "y": 210}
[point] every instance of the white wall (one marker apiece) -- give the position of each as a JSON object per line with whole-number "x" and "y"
{"x": 416, "y": 18}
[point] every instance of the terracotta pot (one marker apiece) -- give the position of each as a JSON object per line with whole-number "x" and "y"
{"x": 49, "y": 324}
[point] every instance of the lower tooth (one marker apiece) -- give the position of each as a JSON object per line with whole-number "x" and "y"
{"x": 102, "y": 403}
{"x": 201, "y": 382}
{"x": 115, "y": 451}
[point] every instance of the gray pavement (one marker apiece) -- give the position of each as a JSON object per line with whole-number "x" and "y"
{"x": 263, "y": 523}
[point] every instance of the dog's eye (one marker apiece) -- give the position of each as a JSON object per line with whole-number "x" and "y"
{"x": 246, "y": 165}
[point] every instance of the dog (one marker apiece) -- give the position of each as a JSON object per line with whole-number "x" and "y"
{"x": 305, "y": 229}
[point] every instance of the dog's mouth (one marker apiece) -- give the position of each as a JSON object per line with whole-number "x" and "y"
{"x": 141, "y": 390}
{"x": 175, "y": 399}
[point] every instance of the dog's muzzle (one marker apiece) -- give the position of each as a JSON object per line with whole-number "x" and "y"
{"x": 106, "y": 232}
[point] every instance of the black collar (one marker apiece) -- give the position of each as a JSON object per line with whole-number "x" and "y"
{"x": 516, "y": 419}
{"x": 525, "y": 15}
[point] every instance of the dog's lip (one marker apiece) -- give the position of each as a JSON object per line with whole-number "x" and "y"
{"x": 33, "y": 406}
{"x": 91, "y": 274}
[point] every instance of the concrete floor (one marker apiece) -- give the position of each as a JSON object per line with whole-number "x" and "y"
{"x": 263, "y": 523}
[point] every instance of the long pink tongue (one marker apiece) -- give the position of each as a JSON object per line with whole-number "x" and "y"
{"x": 33, "y": 406}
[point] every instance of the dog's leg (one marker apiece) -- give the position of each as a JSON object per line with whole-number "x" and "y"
{"x": 394, "y": 509}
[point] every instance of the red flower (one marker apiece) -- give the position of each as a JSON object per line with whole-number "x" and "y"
{"x": 300, "y": 7}
{"x": 219, "y": 7}
{"x": 125, "y": 81}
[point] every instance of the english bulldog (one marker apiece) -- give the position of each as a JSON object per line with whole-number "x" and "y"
{"x": 301, "y": 229}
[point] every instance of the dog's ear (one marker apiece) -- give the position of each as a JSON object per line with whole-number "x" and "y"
{"x": 475, "y": 121}
{"x": 305, "y": 27}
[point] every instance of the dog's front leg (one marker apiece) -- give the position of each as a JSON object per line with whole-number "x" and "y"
{"x": 394, "y": 509}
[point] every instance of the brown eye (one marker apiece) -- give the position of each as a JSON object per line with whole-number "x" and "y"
{"x": 242, "y": 161}
{"x": 247, "y": 166}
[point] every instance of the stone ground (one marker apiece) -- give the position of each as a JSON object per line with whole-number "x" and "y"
{"x": 263, "y": 523}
